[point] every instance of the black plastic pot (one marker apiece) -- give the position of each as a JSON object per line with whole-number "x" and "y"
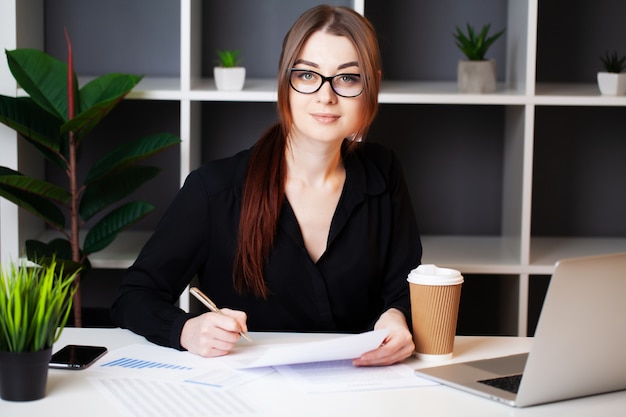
{"x": 24, "y": 375}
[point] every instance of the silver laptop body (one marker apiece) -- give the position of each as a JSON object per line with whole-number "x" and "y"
{"x": 579, "y": 347}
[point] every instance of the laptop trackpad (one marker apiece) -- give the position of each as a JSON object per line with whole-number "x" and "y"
{"x": 506, "y": 365}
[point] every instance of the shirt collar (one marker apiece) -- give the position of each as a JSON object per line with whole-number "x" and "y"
{"x": 364, "y": 176}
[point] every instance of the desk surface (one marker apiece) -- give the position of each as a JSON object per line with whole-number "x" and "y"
{"x": 70, "y": 394}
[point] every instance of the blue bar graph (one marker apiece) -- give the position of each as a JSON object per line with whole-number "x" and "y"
{"x": 143, "y": 364}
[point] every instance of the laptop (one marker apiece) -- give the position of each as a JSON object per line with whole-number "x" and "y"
{"x": 579, "y": 347}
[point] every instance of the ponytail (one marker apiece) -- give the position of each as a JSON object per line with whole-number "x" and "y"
{"x": 263, "y": 196}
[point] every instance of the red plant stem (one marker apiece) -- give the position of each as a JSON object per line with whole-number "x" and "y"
{"x": 75, "y": 242}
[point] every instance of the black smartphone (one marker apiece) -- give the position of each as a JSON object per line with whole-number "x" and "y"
{"x": 76, "y": 356}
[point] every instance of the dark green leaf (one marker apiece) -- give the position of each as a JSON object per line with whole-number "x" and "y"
{"x": 107, "y": 229}
{"x": 98, "y": 98}
{"x": 43, "y": 77}
{"x": 112, "y": 188}
{"x": 106, "y": 88}
{"x": 36, "y": 250}
{"x": 40, "y": 188}
{"x": 35, "y": 204}
{"x": 61, "y": 249}
{"x": 36, "y": 126}
{"x": 130, "y": 153}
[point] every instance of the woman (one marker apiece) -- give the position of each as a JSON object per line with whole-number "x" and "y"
{"x": 310, "y": 230}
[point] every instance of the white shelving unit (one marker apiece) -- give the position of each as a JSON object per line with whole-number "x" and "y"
{"x": 517, "y": 251}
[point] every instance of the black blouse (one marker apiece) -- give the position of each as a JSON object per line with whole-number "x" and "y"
{"x": 372, "y": 245}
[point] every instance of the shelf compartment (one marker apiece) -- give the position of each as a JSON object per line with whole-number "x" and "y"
{"x": 131, "y": 120}
{"x": 139, "y": 42}
{"x": 537, "y": 289}
{"x": 450, "y": 154}
{"x": 489, "y": 305}
{"x": 472, "y": 254}
{"x": 417, "y": 43}
{"x": 235, "y": 25}
{"x": 229, "y": 127}
{"x": 579, "y": 175}
{"x": 572, "y": 35}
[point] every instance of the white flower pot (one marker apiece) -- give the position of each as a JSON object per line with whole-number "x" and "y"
{"x": 612, "y": 84}
{"x": 229, "y": 79}
{"x": 476, "y": 77}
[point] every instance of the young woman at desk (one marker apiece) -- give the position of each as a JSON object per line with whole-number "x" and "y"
{"x": 310, "y": 230}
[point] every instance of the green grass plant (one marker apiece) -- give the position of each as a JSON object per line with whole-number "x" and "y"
{"x": 35, "y": 303}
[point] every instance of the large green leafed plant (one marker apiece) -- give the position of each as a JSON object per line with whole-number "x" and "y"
{"x": 35, "y": 305}
{"x": 56, "y": 118}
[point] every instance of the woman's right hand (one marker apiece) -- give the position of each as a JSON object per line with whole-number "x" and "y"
{"x": 213, "y": 334}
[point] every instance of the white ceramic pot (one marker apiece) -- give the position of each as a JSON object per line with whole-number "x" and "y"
{"x": 476, "y": 77}
{"x": 612, "y": 84}
{"x": 229, "y": 79}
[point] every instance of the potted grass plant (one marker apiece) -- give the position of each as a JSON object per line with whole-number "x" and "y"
{"x": 228, "y": 74}
{"x": 476, "y": 74}
{"x": 56, "y": 118}
{"x": 35, "y": 303}
{"x": 612, "y": 81}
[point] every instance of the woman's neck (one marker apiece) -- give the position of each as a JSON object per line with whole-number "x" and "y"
{"x": 314, "y": 163}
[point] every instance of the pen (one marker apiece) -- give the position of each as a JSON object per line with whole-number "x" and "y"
{"x": 211, "y": 306}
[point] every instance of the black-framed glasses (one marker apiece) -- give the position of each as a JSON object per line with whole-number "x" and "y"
{"x": 306, "y": 81}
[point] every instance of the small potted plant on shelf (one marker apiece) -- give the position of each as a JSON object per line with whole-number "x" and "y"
{"x": 612, "y": 81}
{"x": 229, "y": 75}
{"x": 35, "y": 303}
{"x": 476, "y": 74}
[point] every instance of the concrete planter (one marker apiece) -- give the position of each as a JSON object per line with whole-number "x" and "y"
{"x": 476, "y": 77}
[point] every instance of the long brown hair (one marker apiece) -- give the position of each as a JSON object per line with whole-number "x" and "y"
{"x": 264, "y": 188}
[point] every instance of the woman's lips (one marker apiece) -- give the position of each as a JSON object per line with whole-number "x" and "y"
{"x": 325, "y": 118}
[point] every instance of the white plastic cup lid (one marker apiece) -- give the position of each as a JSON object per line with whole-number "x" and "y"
{"x": 430, "y": 274}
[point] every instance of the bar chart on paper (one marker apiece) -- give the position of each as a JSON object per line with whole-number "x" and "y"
{"x": 134, "y": 363}
{"x": 149, "y": 362}
{"x": 159, "y": 363}
{"x": 139, "y": 379}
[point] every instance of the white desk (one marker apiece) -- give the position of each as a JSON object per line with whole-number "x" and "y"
{"x": 69, "y": 394}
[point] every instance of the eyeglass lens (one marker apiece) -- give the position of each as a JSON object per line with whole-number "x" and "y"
{"x": 308, "y": 82}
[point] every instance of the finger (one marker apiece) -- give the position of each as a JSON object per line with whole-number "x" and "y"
{"x": 239, "y": 316}
{"x": 229, "y": 328}
{"x": 387, "y": 354}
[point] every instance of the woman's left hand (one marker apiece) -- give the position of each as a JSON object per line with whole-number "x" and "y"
{"x": 397, "y": 346}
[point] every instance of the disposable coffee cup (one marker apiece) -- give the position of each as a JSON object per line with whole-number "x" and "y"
{"x": 435, "y": 296}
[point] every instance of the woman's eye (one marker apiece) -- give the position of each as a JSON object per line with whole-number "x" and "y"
{"x": 307, "y": 76}
{"x": 349, "y": 79}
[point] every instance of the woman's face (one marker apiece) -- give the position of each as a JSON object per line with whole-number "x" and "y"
{"x": 324, "y": 115}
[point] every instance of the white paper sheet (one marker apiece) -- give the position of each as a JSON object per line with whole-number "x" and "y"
{"x": 139, "y": 397}
{"x": 340, "y": 376}
{"x": 134, "y": 377}
{"x": 339, "y": 348}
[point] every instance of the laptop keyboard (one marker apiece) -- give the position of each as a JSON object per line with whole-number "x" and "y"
{"x": 507, "y": 383}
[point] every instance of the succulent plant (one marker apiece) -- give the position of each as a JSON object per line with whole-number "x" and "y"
{"x": 475, "y": 45}
{"x": 613, "y": 62}
{"x": 228, "y": 58}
